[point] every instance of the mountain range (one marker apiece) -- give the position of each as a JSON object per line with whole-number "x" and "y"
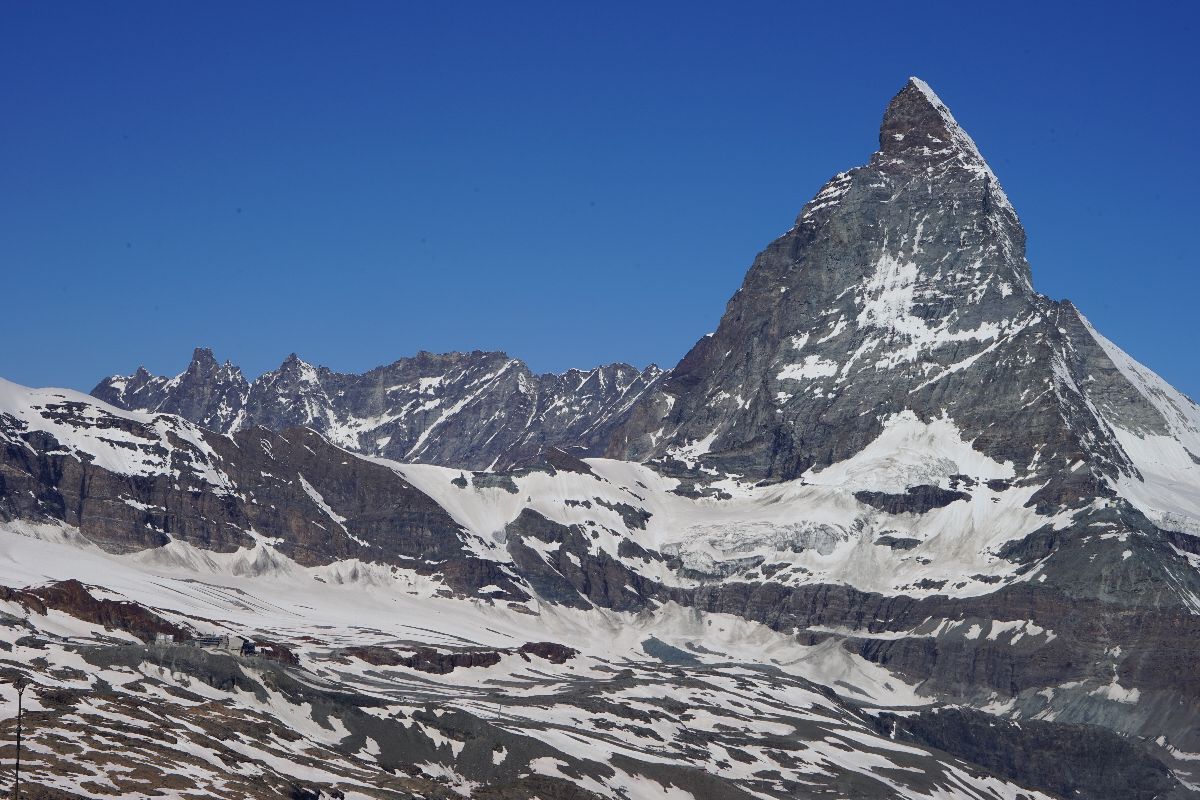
{"x": 901, "y": 526}
{"x": 474, "y": 410}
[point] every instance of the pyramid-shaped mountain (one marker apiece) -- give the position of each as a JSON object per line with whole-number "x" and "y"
{"x": 903, "y": 289}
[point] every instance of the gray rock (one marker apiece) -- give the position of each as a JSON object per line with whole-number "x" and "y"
{"x": 471, "y": 410}
{"x": 903, "y": 286}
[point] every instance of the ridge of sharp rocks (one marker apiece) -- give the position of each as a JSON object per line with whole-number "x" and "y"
{"x": 478, "y": 410}
{"x": 208, "y": 393}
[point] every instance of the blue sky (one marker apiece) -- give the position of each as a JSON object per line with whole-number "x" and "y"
{"x": 572, "y": 184}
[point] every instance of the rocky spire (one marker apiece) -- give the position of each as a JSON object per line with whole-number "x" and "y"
{"x": 918, "y": 126}
{"x": 898, "y": 275}
{"x": 916, "y": 120}
{"x": 202, "y": 359}
{"x": 293, "y": 365}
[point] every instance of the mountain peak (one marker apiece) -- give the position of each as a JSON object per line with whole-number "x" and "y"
{"x": 918, "y": 122}
{"x": 916, "y": 118}
{"x": 203, "y": 357}
{"x": 918, "y": 126}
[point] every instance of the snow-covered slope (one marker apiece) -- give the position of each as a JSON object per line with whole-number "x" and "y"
{"x": 123, "y": 442}
{"x": 669, "y": 704}
{"x": 1165, "y": 450}
{"x": 811, "y": 530}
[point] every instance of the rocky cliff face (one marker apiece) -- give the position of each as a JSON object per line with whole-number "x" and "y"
{"x": 207, "y": 393}
{"x": 898, "y": 501}
{"x": 132, "y": 482}
{"x": 471, "y": 410}
{"x": 902, "y": 288}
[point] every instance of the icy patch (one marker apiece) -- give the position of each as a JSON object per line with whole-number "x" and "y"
{"x": 910, "y": 452}
{"x": 718, "y": 549}
{"x": 320, "y": 501}
{"x": 810, "y": 367}
{"x": 887, "y": 300}
{"x": 1117, "y": 693}
{"x": 691, "y": 452}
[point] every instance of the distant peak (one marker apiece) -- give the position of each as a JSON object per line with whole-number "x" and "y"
{"x": 204, "y": 356}
{"x": 294, "y": 365}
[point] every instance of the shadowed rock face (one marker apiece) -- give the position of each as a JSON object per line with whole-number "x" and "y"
{"x": 1069, "y": 760}
{"x": 916, "y": 500}
{"x": 207, "y": 393}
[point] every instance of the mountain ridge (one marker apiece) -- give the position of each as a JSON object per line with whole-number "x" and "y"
{"x": 390, "y": 410}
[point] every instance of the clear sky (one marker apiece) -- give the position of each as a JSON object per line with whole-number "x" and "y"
{"x": 571, "y": 183}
